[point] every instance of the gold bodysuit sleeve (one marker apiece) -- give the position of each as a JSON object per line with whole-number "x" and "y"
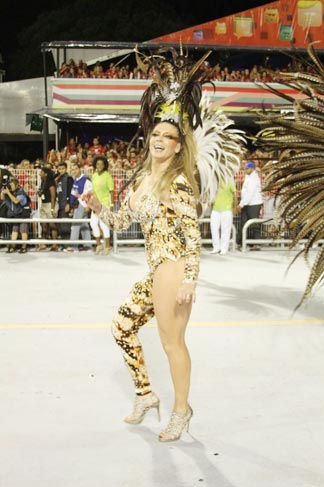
{"x": 117, "y": 221}
{"x": 184, "y": 205}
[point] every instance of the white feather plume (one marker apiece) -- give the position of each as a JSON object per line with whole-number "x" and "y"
{"x": 219, "y": 151}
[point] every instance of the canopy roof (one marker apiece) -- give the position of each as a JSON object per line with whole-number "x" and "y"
{"x": 93, "y": 51}
{"x": 282, "y": 25}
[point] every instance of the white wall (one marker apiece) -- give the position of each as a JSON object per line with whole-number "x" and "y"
{"x": 17, "y": 98}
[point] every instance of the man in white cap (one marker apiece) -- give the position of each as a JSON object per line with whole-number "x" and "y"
{"x": 250, "y": 204}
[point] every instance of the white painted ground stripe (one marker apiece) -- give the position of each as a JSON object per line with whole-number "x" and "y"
{"x": 310, "y": 321}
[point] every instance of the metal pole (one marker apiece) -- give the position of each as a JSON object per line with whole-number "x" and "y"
{"x": 45, "y": 120}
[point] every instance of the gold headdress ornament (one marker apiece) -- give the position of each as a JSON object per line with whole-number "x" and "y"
{"x": 297, "y": 177}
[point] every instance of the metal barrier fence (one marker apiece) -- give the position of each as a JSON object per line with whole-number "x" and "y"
{"x": 30, "y": 180}
{"x": 132, "y": 236}
{"x": 267, "y": 231}
{"x": 267, "y": 234}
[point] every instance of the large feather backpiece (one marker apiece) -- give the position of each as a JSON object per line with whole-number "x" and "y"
{"x": 220, "y": 149}
{"x": 297, "y": 175}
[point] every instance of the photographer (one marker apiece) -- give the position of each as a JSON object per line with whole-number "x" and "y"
{"x": 4, "y": 179}
{"x": 17, "y": 203}
{"x": 5, "y": 175}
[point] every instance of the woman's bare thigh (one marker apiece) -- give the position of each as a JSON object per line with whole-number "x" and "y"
{"x": 172, "y": 318}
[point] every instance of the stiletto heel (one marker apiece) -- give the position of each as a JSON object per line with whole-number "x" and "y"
{"x": 158, "y": 411}
{"x": 178, "y": 422}
{"x": 142, "y": 404}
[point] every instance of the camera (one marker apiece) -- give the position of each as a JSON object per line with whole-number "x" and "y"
{"x": 5, "y": 183}
{"x": 5, "y": 186}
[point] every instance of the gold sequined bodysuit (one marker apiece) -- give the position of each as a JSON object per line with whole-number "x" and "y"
{"x": 169, "y": 233}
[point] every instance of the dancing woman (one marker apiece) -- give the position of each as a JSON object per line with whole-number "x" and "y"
{"x": 163, "y": 196}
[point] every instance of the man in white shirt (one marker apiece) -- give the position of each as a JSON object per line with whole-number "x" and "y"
{"x": 251, "y": 202}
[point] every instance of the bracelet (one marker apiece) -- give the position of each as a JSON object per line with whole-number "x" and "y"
{"x": 187, "y": 280}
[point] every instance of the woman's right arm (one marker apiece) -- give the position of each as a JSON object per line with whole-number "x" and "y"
{"x": 117, "y": 221}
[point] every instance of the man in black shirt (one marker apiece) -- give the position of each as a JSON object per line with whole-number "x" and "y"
{"x": 64, "y": 184}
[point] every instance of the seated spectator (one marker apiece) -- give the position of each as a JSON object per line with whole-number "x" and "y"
{"x": 89, "y": 159}
{"x": 54, "y": 157}
{"x": 72, "y": 69}
{"x": 23, "y": 173}
{"x": 97, "y": 71}
{"x": 96, "y": 148}
{"x": 132, "y": 160}
{"x": 64, "y": 70}
{"x": 112, "y": 71}
{"x": 245, "y": 75}
{"x": 83, "y": 71}
{"x": 82, "y": 156}
{"x": 112, "y": 157}
{"x": 71, "y": 148}
{"x": 254, "y": 74}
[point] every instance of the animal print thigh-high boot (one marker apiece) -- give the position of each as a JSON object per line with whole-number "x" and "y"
{"x": 132, "y": 314}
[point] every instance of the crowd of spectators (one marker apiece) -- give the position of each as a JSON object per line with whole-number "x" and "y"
{"x": 118, "y": 153}
{"x": 219, "y": 72}
{"x": 122, "y": 161}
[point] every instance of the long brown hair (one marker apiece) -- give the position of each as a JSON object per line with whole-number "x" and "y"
{"x": 183, "y": 162}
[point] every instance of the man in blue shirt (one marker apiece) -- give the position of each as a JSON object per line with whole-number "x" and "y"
{"x": 81, "y": 184}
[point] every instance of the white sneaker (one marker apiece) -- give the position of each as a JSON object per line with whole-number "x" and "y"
{"x": 215, "y": 252}
{"x": 223, "y": 252}
{"x": 68, "y": 249}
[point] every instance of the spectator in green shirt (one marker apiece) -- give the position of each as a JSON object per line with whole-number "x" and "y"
{"x": 221, "y": 218}
{"x": 103, "y": 186}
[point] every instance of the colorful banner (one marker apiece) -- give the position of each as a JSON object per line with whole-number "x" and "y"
{"x": 124, "y": 96}
{"x": 281, "y": 24}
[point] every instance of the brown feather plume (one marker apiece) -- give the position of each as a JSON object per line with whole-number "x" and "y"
{"x": 297, "y": 176}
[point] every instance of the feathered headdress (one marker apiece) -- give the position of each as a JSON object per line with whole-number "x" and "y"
{"x": 297, "y": 177}
{"x": 175, "y": 91}
{"x": 175, "y": 95}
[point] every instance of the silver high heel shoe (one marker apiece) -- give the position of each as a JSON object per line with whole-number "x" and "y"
{"x": 178, "y": 422}
{"x": 141, "y": 405}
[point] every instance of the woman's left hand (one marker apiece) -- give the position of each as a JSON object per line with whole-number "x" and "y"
{"x": 186, "y": 294}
